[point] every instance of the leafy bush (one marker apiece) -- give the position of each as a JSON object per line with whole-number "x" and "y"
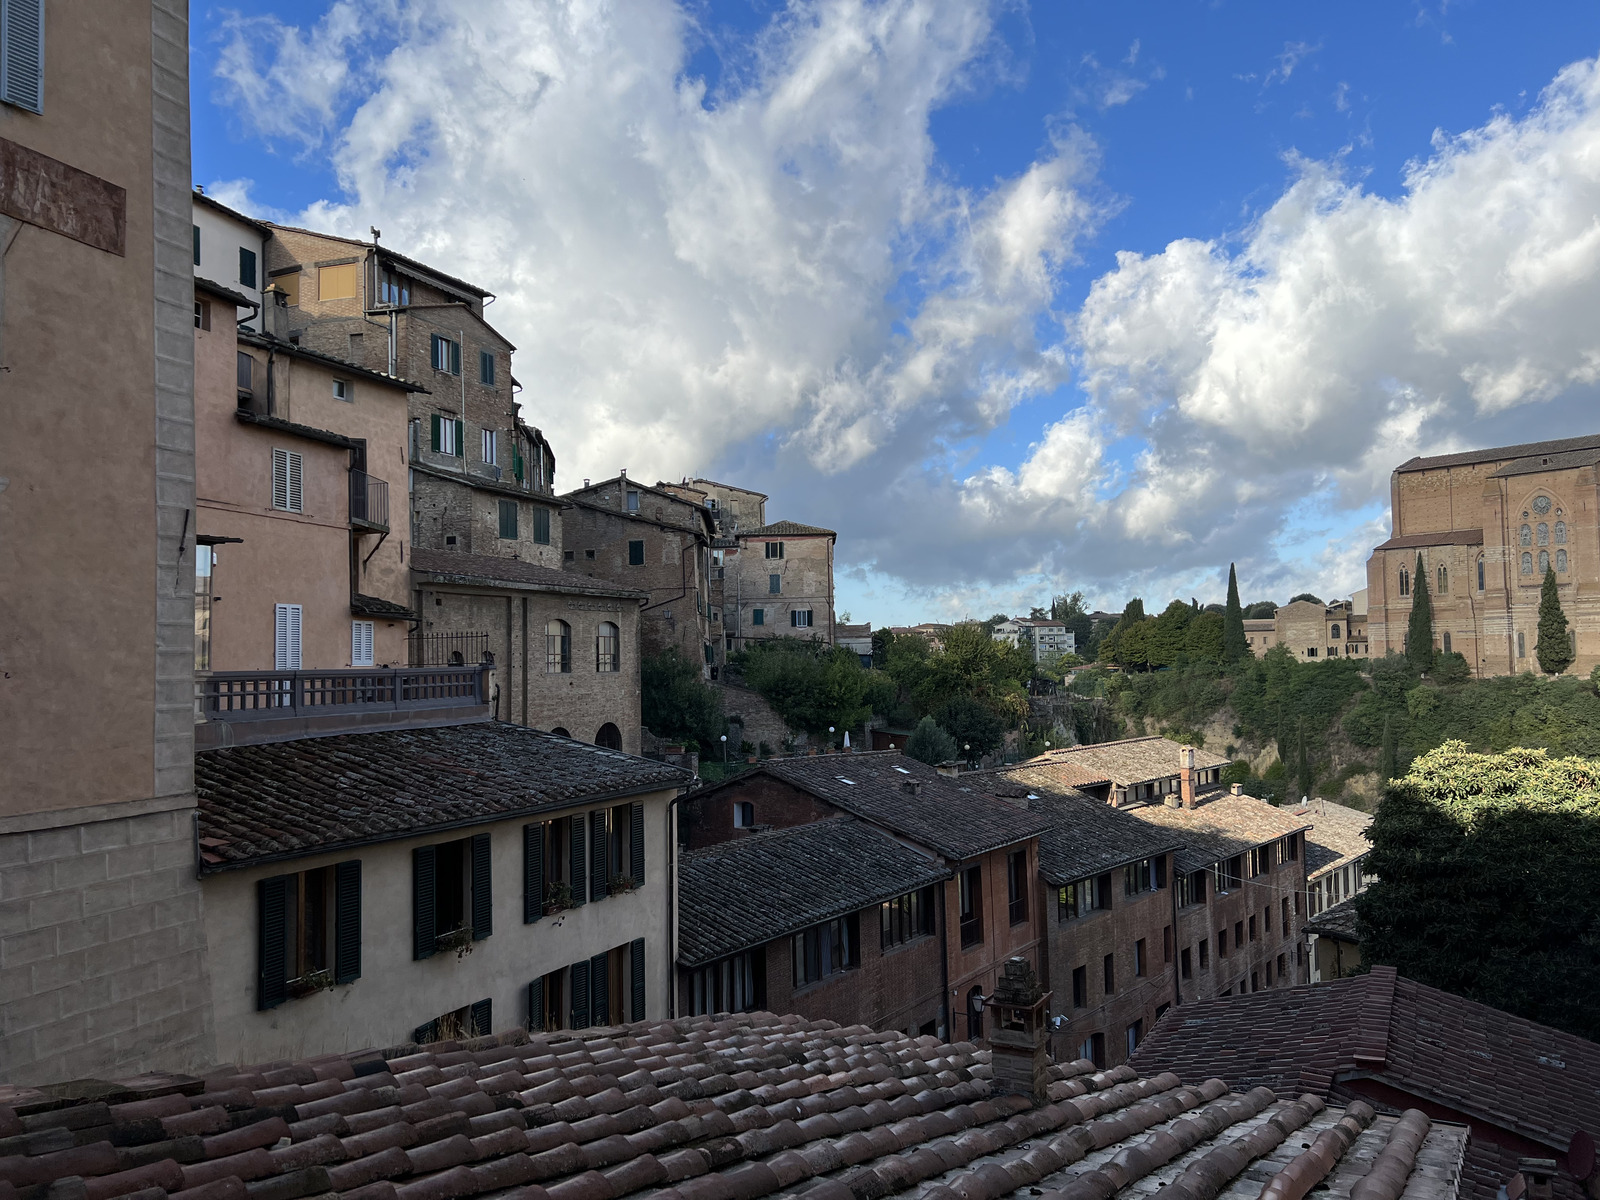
{"x": 812, "y": 685}
{"x": 677, "y": 702}
{"x": 930, "y": 744}
{"x": 975, "y": 728}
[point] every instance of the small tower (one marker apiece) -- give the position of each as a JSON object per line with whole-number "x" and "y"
{"x": 1020, "y": 1031}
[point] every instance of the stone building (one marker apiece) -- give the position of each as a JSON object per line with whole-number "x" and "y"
{"x": 1311, "y": 630}
{"x": 655, "y": 541}
{"x": 1487, "y": 524}
{"x": 732, "y": 508}
{"x": 103, "y": 966}
{"x": 940, "y": 945}
{"x": 778, "y": 582}
{"x": 1041, "y": 637}
{"x": 230, "y": 250}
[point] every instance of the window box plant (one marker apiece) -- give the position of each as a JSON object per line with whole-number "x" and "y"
{"x": 557, "y": 897}
{"x": 459, "y": 940}
{"x": 619, "y": 886}
{"x": 319, "y": 980}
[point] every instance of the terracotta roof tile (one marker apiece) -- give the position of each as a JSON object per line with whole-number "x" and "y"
{"x": 1126, "y": 762}
{"x": 1219, "y": 826}
{"x": 1337, "y": 835}
{"x": 1086, "y": 836}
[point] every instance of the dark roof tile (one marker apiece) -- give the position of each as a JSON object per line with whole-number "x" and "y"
{"x": 1086, "y": 836}
{"x": 1501, "y": 453}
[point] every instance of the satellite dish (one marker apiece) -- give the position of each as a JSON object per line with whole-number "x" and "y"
{"x": 1580, "y": 1154}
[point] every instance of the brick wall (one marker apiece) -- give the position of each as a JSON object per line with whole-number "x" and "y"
{"x": 706, "y": 819}
{"x": 757, "y": 721}
{"x": 894, "y": 989}
{"x": 1233, "y": 969}
{"x": 442, "y": 509}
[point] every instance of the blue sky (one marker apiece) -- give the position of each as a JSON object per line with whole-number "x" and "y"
{"x": 973, "y": 382}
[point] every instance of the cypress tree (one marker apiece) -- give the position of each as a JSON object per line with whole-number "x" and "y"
{"x": 1419, "y": 634}
{"x": 1234, "y": 647}
{"x": 1553, "y": 650}
{"x": 1386, "y": 755}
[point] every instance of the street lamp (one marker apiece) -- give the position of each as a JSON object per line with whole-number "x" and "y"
{"x": 830, "y": 737}
{"x": 724, "y": 749}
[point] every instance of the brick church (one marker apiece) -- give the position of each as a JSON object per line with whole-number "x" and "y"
{"x": 1487, "y": 524}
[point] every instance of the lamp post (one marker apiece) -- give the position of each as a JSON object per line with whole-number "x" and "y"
{"x": 830, "y": 737}
{"x": 724, "y": 749}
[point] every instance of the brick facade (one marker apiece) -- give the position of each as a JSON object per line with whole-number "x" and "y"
{"x": 707, "y": 818}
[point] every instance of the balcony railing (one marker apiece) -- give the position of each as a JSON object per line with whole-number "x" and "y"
{"x": 279, "y": 695}
{"x": 447, "y": 649}
{"x": 369, "y": 501}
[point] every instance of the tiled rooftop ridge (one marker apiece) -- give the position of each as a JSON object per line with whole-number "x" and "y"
{"x": 695, "y": 1109}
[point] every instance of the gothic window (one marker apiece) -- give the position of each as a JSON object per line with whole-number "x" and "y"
{"x": 1561, "y": 562}
{"x": 1544, "y": 561}
{"x": 1544, "y": 534}
{"x": 1444, "y": 579}
{"x": 1405, "y": 582}
{"x": 1527, "y": 563}
{"x": 1561, "y": 533}
{"x": 1480, "y": 572}
{"x": 1541, "y": 505}
{"x": 1526, "y": 536}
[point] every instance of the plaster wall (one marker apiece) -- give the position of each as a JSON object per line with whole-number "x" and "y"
{"x": 221, "y": 239}
{"x": 805, "y": 582}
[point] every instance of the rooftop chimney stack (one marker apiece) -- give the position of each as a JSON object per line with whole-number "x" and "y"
{"x": 1536, "y": 1172}
{"x": 1186, "y": 775}
{"x": 912, "y": 787}
{"x": 1020, "y": 1028}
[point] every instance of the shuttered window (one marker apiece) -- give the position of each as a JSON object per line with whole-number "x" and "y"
{"x": 337, "y": 282}
{"x": 636, "y": 970}
{"x": 360, "y": 643}
{"x": 508, "y": 518}
{"x": 424, "y": 873}
{"x": 22, "y": 54}
{"x": 482, "y": 1018}
{"x": 541, "y": 525}
{"x": 636, "y": 554}
{"x": 482, "y": 892}
{"x": 578, "y": 974}
{"x": 247, "y": 267}
{"x": 446, "y": 355}
{"x": 347, "y": 921}
{"x": 576, "y": 860}
{"x": 286, "y": 637}
{"x": 636, "y": 840}
{"x": 536, "y": 1004}
{"x": 448, "y": 435}
{"x": 288, "y": 481}
{"x": 600, "y": 998}
{"x": 532, "y": 873}
{"x": 597, "y": 855}
{"x": 272, "y": 902}
{"x": 294, "y": 955}
{"x": 486, "y": 367}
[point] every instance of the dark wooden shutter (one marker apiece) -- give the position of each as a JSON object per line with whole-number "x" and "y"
{"x": 455, "y": 362}
{"x": 482, "y": 892}
{"x": 425, "y": 1034}
{"x": 272, "y": 896}
{"x": 636, "y": 846}
{"x": 434, "y": 421}
{"x": 424, "y": 874}
{"x": 483, "y": 1018}
{"x": 579, "y": 972}
{"x": 461, "y": 436}
{"x": 636, "y": 953}
{"x": 532, "y": 873}
{"x": 597, "y": 854}
{"x": 576, "y": 860}
{"x": 347, "y": 921}
{"x": 599, "y": 978}
{"x": 536, "y": 1004}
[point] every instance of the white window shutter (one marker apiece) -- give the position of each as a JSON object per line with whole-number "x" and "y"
{"x": 22, "y": 53}
{"x": 360, "y": 643}
{"x": 286, "y": 638}
{"x": 280, "y": 479}
{"x": 296, "y": 490}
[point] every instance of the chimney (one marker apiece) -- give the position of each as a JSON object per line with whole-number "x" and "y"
{"x": 911, "y": 787}
{"x": 1536, "y": 1172}
{"x": 1186, "y": 775}
{"x": 1236, "y": 789}
{"x": 1019, "y": 1029}
{"x": 275, "y": 313}
{"x": 950, "y": 769}
{"x": 622, "y": 472}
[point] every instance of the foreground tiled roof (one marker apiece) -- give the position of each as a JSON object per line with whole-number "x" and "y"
{"x": 1501, "y": 453}
{"x": 1086, "y": 836}
{"x": 1337, "y": 834}
{"x": 1336, "y": 921}
{"x": 1131, "y": 761}
{"x": 698, "y": 1109}
{"x": 949, "y": 815}
{"x": 1219, "y": 826}
{"x": 487, "y": 570}
{"x": 1325, "y": 1038}
{"x": 315, "y": 794}
{"x": 750, "y": 890}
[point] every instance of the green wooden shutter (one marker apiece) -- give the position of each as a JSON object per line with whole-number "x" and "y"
{"x": 426, "y": 1034}
{"x": 455, "y": 358}
{"x": 636, "y": 844}
{"x": 483, "y": 1018}
{"x": 579, "y": 987}
{"x": 424, "y": 864}
{"x": 434, "y": 420}
{"x": 532, "y": 873}
{"x": 536, "y": 1004}
{"x": 461, "y": 438}
{"x": 482, "y": 892}
{"x": 272, "y": 934}
{"x": 347, "y": 921}
{"x": 636, "y": 953}
{"x": 599, "y": 978}
{"x": 576, "y": 860}
{"x": 597, "y": 855}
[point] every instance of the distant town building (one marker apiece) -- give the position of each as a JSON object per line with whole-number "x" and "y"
{"x": 777, "y": 581}
{"x": 230, "y": 249}
{"x": 1310, "y": 630}
{"x": 857, "y": 639}
{"x": 930, "y": 632}
{"x": 1041, "y": 637}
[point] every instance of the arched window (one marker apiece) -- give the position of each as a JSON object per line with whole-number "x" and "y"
{"x": 1544, "y": 534}
{"x": 1334, "y": 632}
{"x": 1405, "y": 582}
{"x": 1526, "y": 535}
{"x": 607, "y": 644}
{"x": 609, "y": 737}
{"x": 1444, "y": 579}
{"x": 1544, "y": 561}
{"x": 1561, "y": 562}
{"x": 1447, "y": 642}
{"x": 1561, "y": 533}
{"x": 558, "y": 648}
{"x": 1527, "y": 563}
{"x": 1480, "y": 572}
{"x": 560, "y": 732}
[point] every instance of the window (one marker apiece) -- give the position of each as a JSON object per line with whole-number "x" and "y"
{"x": 1075, "y": 900}
{"x": 1192, "y": 888}
{"x": 1522, "y": 651}
{"x": 1135, "y": 1035}
{"x": 633, "y": 501}
{"x": 907, "y": 917}
{"x": 1139, "y": 957}
{"x": 1260, "y": 861}
{"x": 731, "y": 985}
{"x": 1226, "y": 874}
{"x": 1289, "y": 848}
{"x": 1283, "y": 963}
{"x": 774, "y": 584}
{"x": 744, "y": 814}
{"x": 1080, "y": 987}
{"x": 1405, "y": 582}
{"x": 196, "y": 245}
{"x": 486, "y": 367}
{"x": 446, "y": 354}
{"x": 341, "y": 390}
{"x": 1285, "y": 921}
{"x": 1444, "y": 577}
{"x": 636, "y": 553}
{"x": 491, "y": 447}
{"x": 1333, "y": 633}
{"x": 1252, "y": 927}
{"x": 608, "y": 737}
{"x": 1561, "y": 533}
{"x": 1185, "y": 967}
{"x": 246, "y": 372}
{"x": 1166, "y": 943}
{"x": 1527, "y": 563}
{"x": 1094, "y": 1049}
{"x": 202, "y": 314}
{"x": 607, "y": 649}
{"x": 1205, "y": 954}
{"x": 1480, "y": 574}
{"x": 825, "y": 950}
{"x": 1544, "y": 534}
{"x": 1238, "y": 933}
{"x": 288, "y": 474}
{"x": 800, "y": 618}
{"x": 558, "y": 648}
{"x": 286, "y": 637}
{"x": 508, "y": 519}
{"x": 1017, "y": 885}
{"x": 541, "y": 527}
{"x": 1109, "y": 971}
{"x": 1544, "y": 561}
{"x": 448, "y": 435}
{"x": 971, "y": 906}
{"x": 1222, "y": 943}
{"x": 307, "y": 924}
{"x": 1525, "y": 535}
{"x": 360, "y": 643}
{"x": 451, "y": 892}
{"x": 758, "y": 616}
{"x": 337, "y": 283}
{"x": 1146, "y": 875}
{"x": 1311, "y": 652}
{"x": 1561, "y": 562}
{"x": 774, "y": 549}
{"x": 247, "y": 267}
{"x": 1447, "y": 641}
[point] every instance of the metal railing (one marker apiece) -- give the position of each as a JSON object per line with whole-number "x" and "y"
{"x": 369, "y": 500}
{"x": 447, "y": 649}
{"x": 274, "y": 695}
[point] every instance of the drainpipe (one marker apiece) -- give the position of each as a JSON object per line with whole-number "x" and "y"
{"x": 1177, "y": 953}
{"x": 944, "y": 966}
{"x": 672, "y": 918}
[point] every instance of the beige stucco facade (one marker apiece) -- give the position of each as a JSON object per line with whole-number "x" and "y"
{"x": 102, "y": 960}
{"x": 1311, "y": 631}
{"x": 395, "y": 993}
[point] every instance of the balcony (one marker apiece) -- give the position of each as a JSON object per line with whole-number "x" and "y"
{"x": 369, "y": 501}
{"x": 447, "y": 649}
{"x": 245, "y": 707}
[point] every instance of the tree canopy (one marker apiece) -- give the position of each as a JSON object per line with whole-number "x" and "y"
{"x": 676, "y": 702}
{"x": 930, "y": 744}
{"x": 812, "y": 685}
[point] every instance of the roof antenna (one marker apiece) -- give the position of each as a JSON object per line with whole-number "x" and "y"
{"x": 376, "y": 234}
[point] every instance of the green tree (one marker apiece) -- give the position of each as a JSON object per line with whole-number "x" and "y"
{"x": 976, "y": 728}
{"x": 810, "y": 684}
{"x": 1553, "y": 650}
{"x": 1488, "y": 881}
{"x": 1386, "y": 754}
{"x": 1165, "y": 635}
{"x": 1070, "y": 611}
{"x": 1203, "y": 641}
{"x": 930, "y": 744}
{"x": 1261, "y": 610}
{"x": 677, "y": 703}
{"x": 1234, "y": 646}
{"x": 1306, "y": 596}
{"x": 1419, "y": 634}
{"x": 882, "y": 639}
{"x": 1304, "y": 779}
